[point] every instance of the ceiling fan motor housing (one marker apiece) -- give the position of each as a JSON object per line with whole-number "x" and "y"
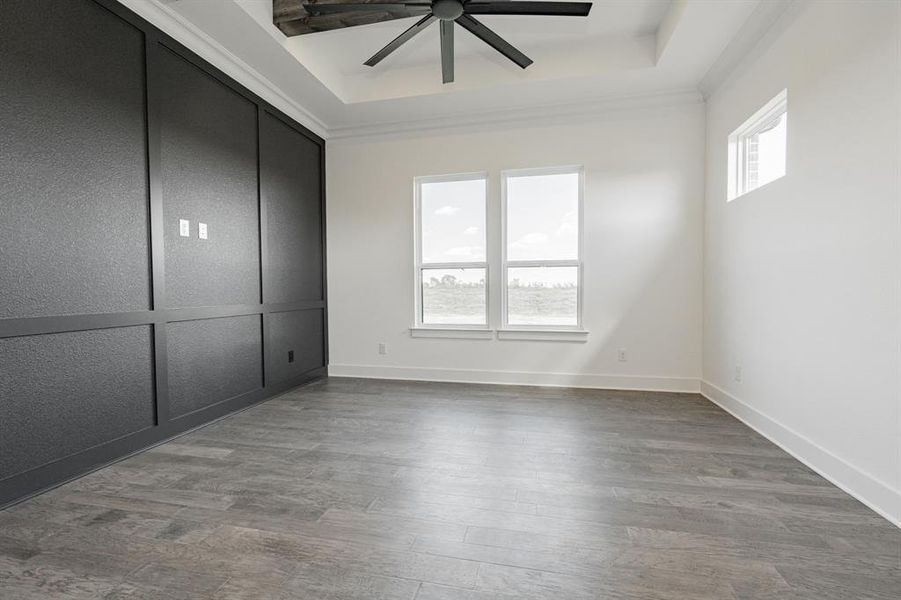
{"x": 447, "y": 10}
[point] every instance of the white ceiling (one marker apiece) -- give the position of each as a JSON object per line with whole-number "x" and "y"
{"x": 624, "y": 49}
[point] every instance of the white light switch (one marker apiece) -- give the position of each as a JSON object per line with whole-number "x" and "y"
{"x": 184, "y": 228}
{"x": 201, "y": 227}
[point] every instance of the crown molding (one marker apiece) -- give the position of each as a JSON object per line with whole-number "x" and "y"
{"x": 756, "y": 33}
{"x": 188, "y": 34}
{"x": 185, "y": 32}
{"x": 533, "y": 115}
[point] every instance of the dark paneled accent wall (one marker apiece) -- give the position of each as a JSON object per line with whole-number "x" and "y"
{"x": 116, "y": 331}
{"x": 290, "y": 163}
{"x": 214, "y": 359}
{"x": 66, "y": 392}
{"x": 72, "y": 129}
{"x": 287, "y": 330}
{"x": 208, "y": 163}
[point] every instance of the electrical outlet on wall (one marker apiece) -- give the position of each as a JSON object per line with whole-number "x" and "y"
{"x": 621, "y": 355}
{"x": 202, "y": 231}
{"x": 738, "y": 374}
{"x": 290, "y": 356}
{"x": 184, "y": 228}
{"x": 383, "y": 348}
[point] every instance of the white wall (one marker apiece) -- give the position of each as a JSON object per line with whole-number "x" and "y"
{"x": 802, "y": 277}
{"x": 642, "y": 251}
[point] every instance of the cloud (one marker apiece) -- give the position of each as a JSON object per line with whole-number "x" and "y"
{"x": 569, "y": 224}
{"x": 447, "y": 211}
{"x": 465, "y": 252}
{"x": 471, "y": 230}
{"x": 530, "y": 239}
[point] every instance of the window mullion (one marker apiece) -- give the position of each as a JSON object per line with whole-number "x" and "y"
{"x": 454, "y": 265}
{"x": 537, "y": 264}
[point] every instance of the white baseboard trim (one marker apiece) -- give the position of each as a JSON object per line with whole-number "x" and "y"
{"x": 871, "y": 491}
{"x": 609, "y": 382}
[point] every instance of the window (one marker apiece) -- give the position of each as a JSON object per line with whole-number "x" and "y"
{"x": 542, "y": 268}
{"x": 757, "y": 148}
{"x": 451, "y": 257}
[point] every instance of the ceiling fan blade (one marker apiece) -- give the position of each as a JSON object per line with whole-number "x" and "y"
{"x": 391, "y": 7}
{"x": 494, "y": 40}
{"x": 514, "y": 7}
{"x": 447, "y": 51}
{"x": 400, "y": 40}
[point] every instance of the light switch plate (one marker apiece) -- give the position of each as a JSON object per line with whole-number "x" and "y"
{"x": 184, "y": 228}
{"x": 201, "y": 227}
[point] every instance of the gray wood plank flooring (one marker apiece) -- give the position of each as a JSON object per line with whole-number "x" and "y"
{"x": 358, "y": 489}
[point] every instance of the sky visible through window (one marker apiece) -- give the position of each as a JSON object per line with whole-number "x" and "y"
{"x": 543, "y": 224}
{"x": 453, "y": 221}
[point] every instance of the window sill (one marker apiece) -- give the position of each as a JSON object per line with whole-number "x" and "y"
{"x": 544, "y": 335}
{"x": 459, "y": 333}
{"x": 479, "y": 333}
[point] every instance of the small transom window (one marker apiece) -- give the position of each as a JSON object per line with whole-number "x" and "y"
{"x": 757, "y": 148}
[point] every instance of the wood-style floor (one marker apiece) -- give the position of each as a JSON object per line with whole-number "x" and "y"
{"x": 353, "y": 489}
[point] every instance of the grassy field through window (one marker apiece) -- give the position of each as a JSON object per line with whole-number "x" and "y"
{"x": 453, "y": 302}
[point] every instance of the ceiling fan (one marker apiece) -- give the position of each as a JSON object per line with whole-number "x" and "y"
{"x": 298, "y": 17}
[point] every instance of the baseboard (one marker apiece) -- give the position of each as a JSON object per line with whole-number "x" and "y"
{"x": 576, "y": 380}
{"x": 876, "y": 494}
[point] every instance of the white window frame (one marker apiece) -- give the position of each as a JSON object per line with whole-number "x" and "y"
{"x": 738, "y": 168}
{"x": 508, "y": 264}
{"x": 446, "y": 329}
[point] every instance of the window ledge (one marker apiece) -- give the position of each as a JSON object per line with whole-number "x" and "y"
{"x": 544, "y": 335}
{"x": 460, "y": 333}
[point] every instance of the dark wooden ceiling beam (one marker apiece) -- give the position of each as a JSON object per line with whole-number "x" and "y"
{"x": 292, "y": 18}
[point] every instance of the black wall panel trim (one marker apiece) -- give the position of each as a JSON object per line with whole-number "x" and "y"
{"x": 116, "y": 333}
